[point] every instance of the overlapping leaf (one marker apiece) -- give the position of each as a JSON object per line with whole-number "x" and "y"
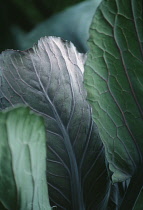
{"x": 49, "y": 78}
{"x": 71, "y": 24}
{"x": 114, "y": 79}
{"x": 22, "y": 161}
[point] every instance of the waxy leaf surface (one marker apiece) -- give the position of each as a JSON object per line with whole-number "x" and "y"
{"x": 49, "y": 78}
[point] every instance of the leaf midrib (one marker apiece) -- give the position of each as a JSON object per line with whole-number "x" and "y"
{"x": 76, "y": 190}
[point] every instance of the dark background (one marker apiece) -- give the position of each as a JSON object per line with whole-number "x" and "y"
{"x": 26, "y": 15}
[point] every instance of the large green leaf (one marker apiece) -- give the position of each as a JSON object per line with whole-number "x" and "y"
{"x": 71, "y": 24}
{"x": 114, "y": 79}
{"x": 22, "y": 161}
{"x": 49, "y": 78}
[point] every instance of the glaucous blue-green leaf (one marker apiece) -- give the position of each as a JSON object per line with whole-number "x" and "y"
{"x": 114, "y": 78}
{"x": 49, "y": 78}
{"x": 22, "y": 161}
{"x": 71, "y": 24}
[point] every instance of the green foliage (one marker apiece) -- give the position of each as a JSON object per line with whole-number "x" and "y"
{"x": 25, "y": 15}
{"x": 139, "y": 203}
{"x": 23, "y": 161}
{"x": 71, "y": 24}
{"x": 49, "y": 79}
{"x": 113, "y": 79}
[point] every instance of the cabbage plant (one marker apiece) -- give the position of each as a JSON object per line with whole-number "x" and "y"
{"x": 82, "y": 149}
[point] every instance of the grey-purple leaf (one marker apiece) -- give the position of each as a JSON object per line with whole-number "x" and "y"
{"x": 49, "y": 78}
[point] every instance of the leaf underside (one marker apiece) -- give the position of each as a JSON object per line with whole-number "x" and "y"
{"x": 49, "y": 79}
